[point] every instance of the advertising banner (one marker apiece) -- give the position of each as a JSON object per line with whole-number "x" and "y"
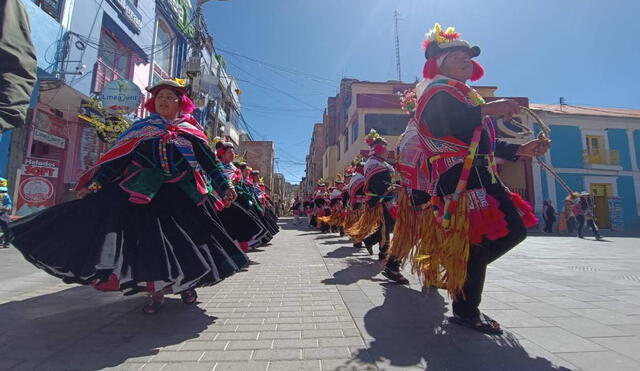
{"x": 36, "y": 189}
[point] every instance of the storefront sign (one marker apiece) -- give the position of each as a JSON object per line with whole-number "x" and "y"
{"x": 616, "y": 218}
{"x": 130, "y": 13}
{"x": 41, "y": 167}
{"x": 89, "y": 148}
{"x": 48, "y": 138}
{"x": 120, "y": 96}
{"x": 36, "y": 188}
{"x": 35, "y": 194}
{"x": 180, "y": 11}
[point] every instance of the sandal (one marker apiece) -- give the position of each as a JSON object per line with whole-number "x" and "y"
{"x": 483, "y": 324}
{"x": 395, "y": 276}
{"x": 153, "y": 306}
{"x": 189, "y": 296}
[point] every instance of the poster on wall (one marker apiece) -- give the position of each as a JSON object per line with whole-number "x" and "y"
{"x": 36, "y": 189}
{"x": 89, "y": 149}
{"x": 615, "y": 214}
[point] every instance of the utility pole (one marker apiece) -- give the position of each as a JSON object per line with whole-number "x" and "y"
{"x": 396, "y": 14}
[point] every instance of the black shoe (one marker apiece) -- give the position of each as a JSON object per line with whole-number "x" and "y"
{"x": 369, "y": 249}
{"x": 357, "y": 245}
{"x": 382, "y": 256}
{"x": 395, "y": 276}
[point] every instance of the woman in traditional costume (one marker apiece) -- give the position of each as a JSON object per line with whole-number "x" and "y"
{"x": 456, "y": 216}
{"x": 148, "y": 217}
{"x": 242, "y": 225}
{"x": 356, "y": 197}
{"x": 321, "y": 201}
{"x": 377, "y": 221}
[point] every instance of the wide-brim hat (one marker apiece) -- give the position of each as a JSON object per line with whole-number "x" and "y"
{"x": 435, "y": 49}
{"x": 177, "y": 85}
{"x": 439, "y": 41}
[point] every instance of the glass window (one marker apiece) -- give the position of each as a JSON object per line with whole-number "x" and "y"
{"x": 51, "y": 7}
{"x": 386, "y": 124}
{"x": 354, "y": 131}
{"x": 114, "y": 54}
{"x": 163, "y": 48}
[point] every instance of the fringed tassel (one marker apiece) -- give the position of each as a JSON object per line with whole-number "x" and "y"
{"x": 323, "y": 219}
{"x": 368, "y": 224}
{"x": 442, "y": 255}
{"x": 405, "y": 233}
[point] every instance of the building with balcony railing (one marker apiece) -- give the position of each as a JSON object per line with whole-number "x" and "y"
{"x": 601, "y": 157}
{"x": 596, "y": 150}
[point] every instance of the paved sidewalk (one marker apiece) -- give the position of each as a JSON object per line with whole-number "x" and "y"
{"x": 314, "y": 303}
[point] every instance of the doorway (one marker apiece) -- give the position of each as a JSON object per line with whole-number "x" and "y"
{"x": 601, "y": 193}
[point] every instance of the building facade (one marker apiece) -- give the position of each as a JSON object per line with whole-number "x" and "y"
{"x": 260, "y": 155}
{"x": 81, "y": 47}
{"x": 363, "y": 105}
{"x": 595, "y": 150}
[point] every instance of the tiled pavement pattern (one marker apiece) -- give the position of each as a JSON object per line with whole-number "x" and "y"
{"x": 312, "y": 302}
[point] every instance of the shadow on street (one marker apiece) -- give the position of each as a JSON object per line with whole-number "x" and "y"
{"x": 80, "y": 328}
{"x": 410, "y": 329}
{"x": 357, "y": 269}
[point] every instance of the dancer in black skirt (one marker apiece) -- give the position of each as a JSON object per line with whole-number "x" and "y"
{"x": 148, "y": 217}
{"x": 241, "y": 224}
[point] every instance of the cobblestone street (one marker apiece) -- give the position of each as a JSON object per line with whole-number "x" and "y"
{"x": 313, "y": 302}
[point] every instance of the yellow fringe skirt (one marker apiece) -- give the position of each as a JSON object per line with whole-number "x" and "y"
{"x": 438, "y": 256}
{"x": 368, "y": 223}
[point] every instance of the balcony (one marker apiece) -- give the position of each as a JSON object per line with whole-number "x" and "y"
{"x": 606, "y": 157}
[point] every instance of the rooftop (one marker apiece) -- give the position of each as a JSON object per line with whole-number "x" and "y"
{"x": 566, "y": 109}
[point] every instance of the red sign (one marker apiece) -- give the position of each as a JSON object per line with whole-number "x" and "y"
{"x": 34, "y": 194}
{"x": 36, "y": 190}
{"x": 40, "y": 167}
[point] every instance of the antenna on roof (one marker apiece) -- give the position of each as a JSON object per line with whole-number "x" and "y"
{"x": 396, "y": 14}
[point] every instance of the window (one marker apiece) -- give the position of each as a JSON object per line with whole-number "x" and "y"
{"x": 114, "y": 60}
{"x": 346, "y": 140}
{"x": 51, "y": 7}
{"x": 355, "y": 129}
{"x": 386, "y": 124}
{"x": 163, "y": 48}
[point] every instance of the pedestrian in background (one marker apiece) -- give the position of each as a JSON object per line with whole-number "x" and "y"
{"x": 5, "y": 210}
{"x": 295, "y": 209}
{"x": 569, "y": 216}
{"x": 587, "y": 204}
{"x": 549, "y": 216}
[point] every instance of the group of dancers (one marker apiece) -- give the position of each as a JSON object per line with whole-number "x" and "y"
{"x": 450, "y": 213}
{"x": 160, "y": 212}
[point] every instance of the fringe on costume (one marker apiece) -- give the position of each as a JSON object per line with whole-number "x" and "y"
{"x": 406, "y": 233}
{"x": 438, "y": 256}
{"x": 323, "y": 219}
{"x": 524, "y": 210}
{"x": 368, "y": 223}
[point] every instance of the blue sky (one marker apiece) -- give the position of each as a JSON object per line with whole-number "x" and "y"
{"x": 586, "y": 51}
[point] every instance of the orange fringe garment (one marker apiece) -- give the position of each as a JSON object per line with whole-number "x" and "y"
{"x": 438, "y": 256}
{"x": 368, "y": 223}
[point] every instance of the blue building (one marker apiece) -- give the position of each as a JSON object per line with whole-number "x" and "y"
{"x": 596, "y": 150}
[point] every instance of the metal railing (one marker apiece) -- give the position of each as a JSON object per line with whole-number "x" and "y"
{"x": 601, "y": 157}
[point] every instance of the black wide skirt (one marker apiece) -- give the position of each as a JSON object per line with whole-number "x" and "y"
{"x": 241, "y": 224}
{"x": 105, "y": 240}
